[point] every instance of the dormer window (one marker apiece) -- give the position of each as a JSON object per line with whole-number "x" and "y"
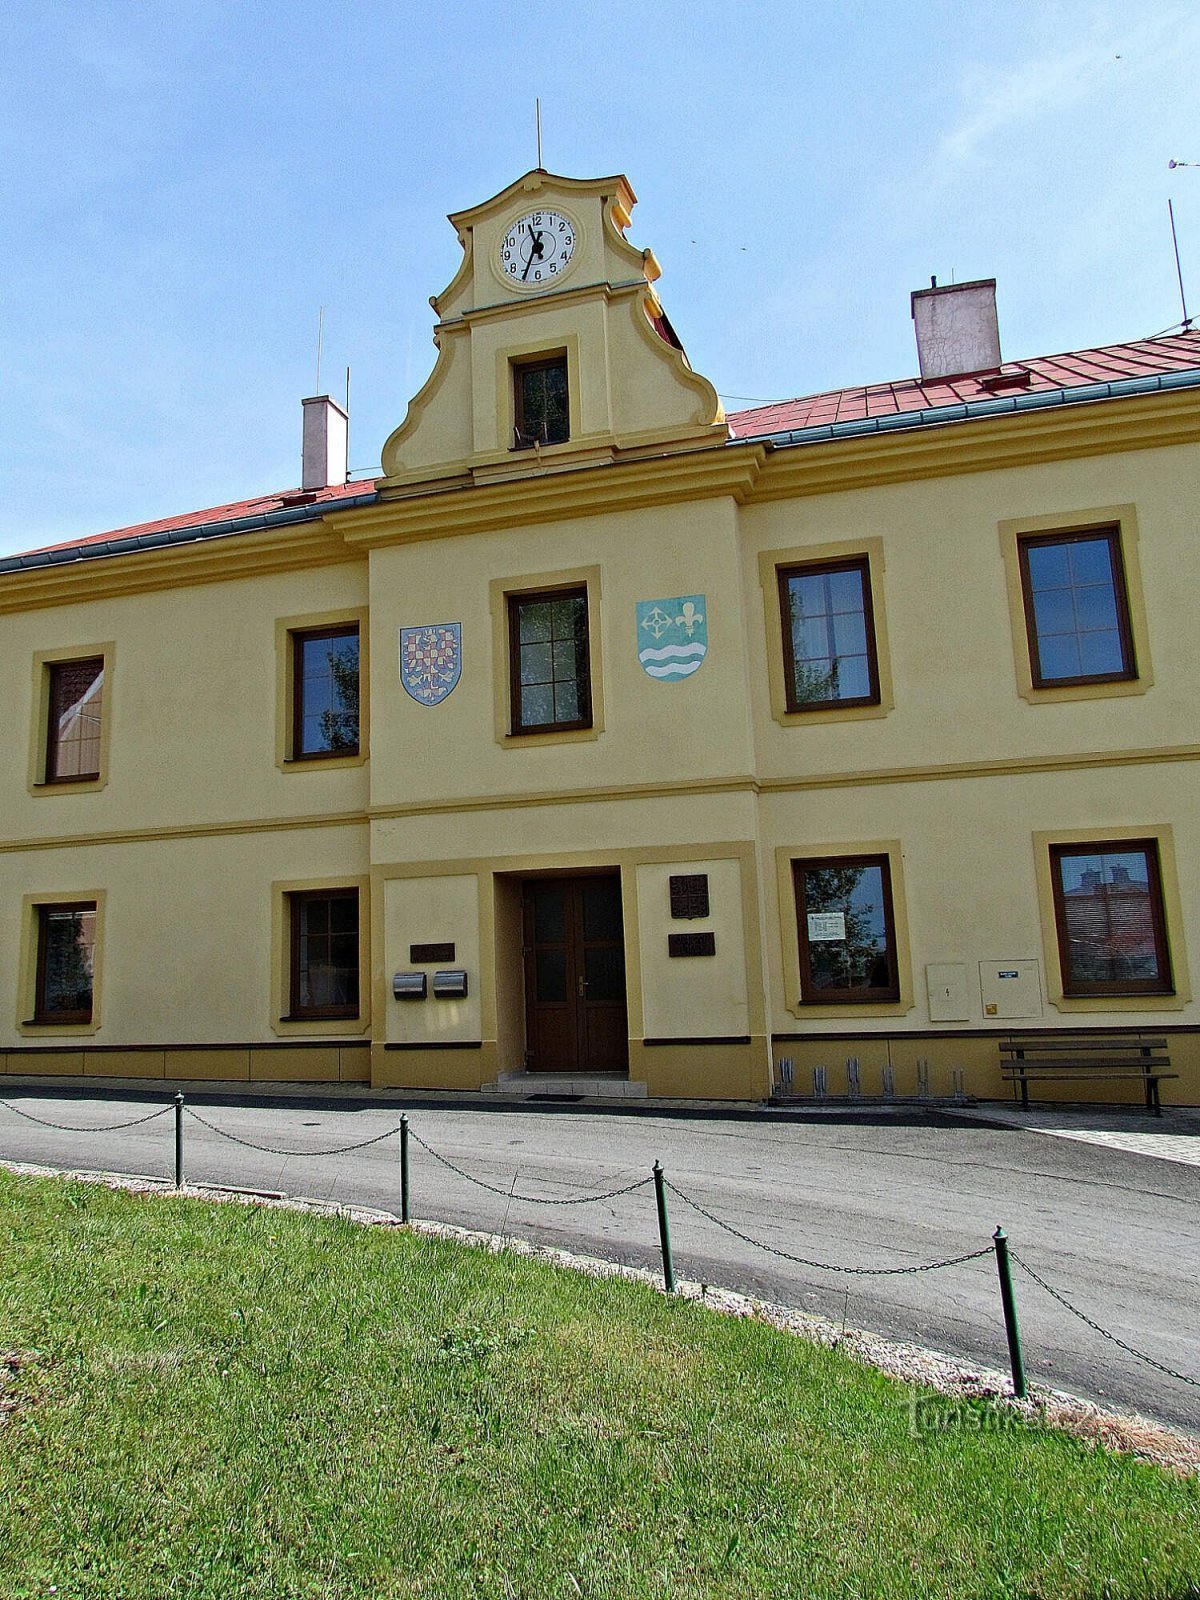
{"x": 541, "y": 410}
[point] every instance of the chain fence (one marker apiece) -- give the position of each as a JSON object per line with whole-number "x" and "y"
{"x": 663, "y": 1187}
{"x": 828, "y": 1266}
{"x": 1105, "y": 1333}
{"x": 69, "y": 1127}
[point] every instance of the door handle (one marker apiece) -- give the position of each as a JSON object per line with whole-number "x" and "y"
{"x": 582, "y": 987}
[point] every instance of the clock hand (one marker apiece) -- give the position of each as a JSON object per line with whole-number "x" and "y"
{"x": 535, "y": 250}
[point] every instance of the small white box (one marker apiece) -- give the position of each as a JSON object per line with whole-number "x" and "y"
{"x": 1010, "y": 988}
{"x": 946, "y": 983}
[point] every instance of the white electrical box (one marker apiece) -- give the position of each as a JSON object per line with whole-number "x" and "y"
{"x": 947, "y": 985}
{"x": 1010, "y": 988}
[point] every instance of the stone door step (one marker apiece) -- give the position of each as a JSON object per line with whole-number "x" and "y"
{"x": 543, "y": 1085}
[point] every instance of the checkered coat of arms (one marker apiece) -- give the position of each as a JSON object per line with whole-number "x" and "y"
{"x": 431, "y": 661}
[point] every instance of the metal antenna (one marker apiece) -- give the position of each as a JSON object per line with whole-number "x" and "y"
{"x": 537, "y": 113}
{"x": 347, "y": 423}
{"x": 320, "y": 338}
{"x": 1187, "y": 321}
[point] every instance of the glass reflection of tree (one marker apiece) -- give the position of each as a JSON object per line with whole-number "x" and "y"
{"x": 859, "y": 960}
{"x": 339, "y": 723}
{"x": 68, "y": 963}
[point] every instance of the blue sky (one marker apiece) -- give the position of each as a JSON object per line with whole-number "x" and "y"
{"x": 186, "y": 184}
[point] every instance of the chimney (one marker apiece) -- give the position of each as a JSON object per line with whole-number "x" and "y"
{"x": 326, "y": 427}
{"x": 957, "y": 329}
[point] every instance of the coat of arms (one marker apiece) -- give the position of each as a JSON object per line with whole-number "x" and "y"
{"x": 672, "y": 636}
{"x": 431, "y": 660}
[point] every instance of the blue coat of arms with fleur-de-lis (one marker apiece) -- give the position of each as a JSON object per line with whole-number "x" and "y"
{"x": 431, "y": 660}
{"x": 672, "y": 636}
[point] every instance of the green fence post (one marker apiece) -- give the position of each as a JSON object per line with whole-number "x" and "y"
{"x": 179, "y": 1141}
{"x": 1011, "y": 1329}
{"x": 404, "y": 1208}
{"x": 664, "y": 1231}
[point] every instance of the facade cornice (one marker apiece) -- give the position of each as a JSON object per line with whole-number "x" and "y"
{"x": 949, "y": 449}
{"x": 520, "y": 800}
{"x": 210, "y": 560}
{"x": 685, "y": 474}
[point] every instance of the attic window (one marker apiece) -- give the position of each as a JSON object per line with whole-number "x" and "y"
{"x": 541, "y": 411}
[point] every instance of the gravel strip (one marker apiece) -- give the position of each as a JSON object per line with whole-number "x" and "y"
{"x": 933, "y": 1371}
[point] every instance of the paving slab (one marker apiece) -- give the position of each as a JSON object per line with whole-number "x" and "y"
{"x": 1175, "y": 1136}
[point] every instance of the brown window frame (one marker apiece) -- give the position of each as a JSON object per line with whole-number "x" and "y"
{"x": 296, "y": 1011}
{"x": 42, "y": 1016}
{"x": 1112, "y": 535}
{"x": 574, "y": 591}
{"x": 51, "y": 772}
{"x": 299, "y": 638}
{"x": 808, "y": 569}
{"x": 1077, "y": 988}
{"x": 522, "y": 438}
{"x": 809, "y": 993}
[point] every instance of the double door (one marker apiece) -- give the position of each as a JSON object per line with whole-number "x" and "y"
{"x": 575, "y": 1015}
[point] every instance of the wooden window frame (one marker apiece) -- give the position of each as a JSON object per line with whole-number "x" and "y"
{"x": 521, "y": 367}
{"x": 294, "y": 900}
{"x": 42, "y": 1017}
{"x": 856, "y": 563}
{"x": 1129, "y": 664}
{"x": 809, "y": 994}
{"x": 299, "y": 637}
{"x": 1075, "y": 988}
{"x": 521, "y": 729}
{"x": 51, "y": 775}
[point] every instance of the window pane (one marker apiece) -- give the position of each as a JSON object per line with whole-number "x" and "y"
{"x": 542, "y": 404}
{"x": 604, "y": 972}
{"x": 326, "y": 687}
{"x": 1108, "y": 904}
{"x": 845, "y": 931}
{"x": 552, "y": 684}
{"x": 602, "y": 908}
{"x": 76, "y": 714}
{"x": 827, "y": 624}
{"x": 550, "y": 975}
{"x": 1076, "y": 601}
{"x": 66, "y": 964}
{"x": 325, "y": 970}
{"x": 537, "y": 705}
{"x": 537, "y": 663}
{"x": 1100, "y": 653}
{"x": 535, "y": 621}
{"x": 549, "y": 914}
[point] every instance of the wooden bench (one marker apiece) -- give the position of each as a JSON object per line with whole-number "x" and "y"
{"x": 1069, "y": 1057}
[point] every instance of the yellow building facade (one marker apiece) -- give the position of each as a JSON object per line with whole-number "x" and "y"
{"x": 608, "y": 738}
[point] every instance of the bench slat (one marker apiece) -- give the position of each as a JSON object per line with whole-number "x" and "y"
{"x": 1079, "y": 1042}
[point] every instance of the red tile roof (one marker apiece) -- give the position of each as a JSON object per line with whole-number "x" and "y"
{"x": 232, "y": 512}
{"x": 1144, "y": 357}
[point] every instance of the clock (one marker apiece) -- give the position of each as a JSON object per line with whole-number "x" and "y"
{"x": 537, "y": 249}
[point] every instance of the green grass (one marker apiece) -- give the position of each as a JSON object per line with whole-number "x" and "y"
{"x": 233, "y": 1402}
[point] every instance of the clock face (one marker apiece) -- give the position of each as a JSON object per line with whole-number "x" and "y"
{"x": 537, "y": 249}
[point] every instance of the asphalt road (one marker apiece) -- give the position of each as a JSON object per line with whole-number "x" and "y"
{"x": 1118, "y": 1234}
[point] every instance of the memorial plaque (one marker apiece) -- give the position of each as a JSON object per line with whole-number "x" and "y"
{"x": 689, "y": 896}
{"x": 419, "y": 954}
{"x": 691, "y": 944}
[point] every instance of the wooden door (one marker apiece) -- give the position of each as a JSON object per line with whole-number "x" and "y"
{"x": 575, "y": 1019}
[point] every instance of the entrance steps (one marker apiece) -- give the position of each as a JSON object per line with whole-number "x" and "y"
{"x": 564, "y": 1085}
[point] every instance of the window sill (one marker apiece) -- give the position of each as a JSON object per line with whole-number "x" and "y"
{"x": 320, "y": 763}
{"x": 515, "y": 741}
{"x": 87, "y": 785}
{"x": 1094, "y": 689}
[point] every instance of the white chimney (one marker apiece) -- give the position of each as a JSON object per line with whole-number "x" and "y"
{"x": 957, "y": 330}
{"x": 326, "y": 429}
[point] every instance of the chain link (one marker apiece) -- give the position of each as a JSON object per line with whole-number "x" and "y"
{"x": 68, "y": 1127}
{"x": 270, "y": 1150}
{"x": 826, "y": 1266}
{"x": 529, "y": 1199}
{"x": 1104, "y": 1333}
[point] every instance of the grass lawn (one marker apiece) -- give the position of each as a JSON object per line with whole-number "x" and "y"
{"x": 225, "y": 1401}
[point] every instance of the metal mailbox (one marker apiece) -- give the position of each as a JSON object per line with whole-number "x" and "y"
{"x": 450, "y": 985}
{"x": 409, "y": 986}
